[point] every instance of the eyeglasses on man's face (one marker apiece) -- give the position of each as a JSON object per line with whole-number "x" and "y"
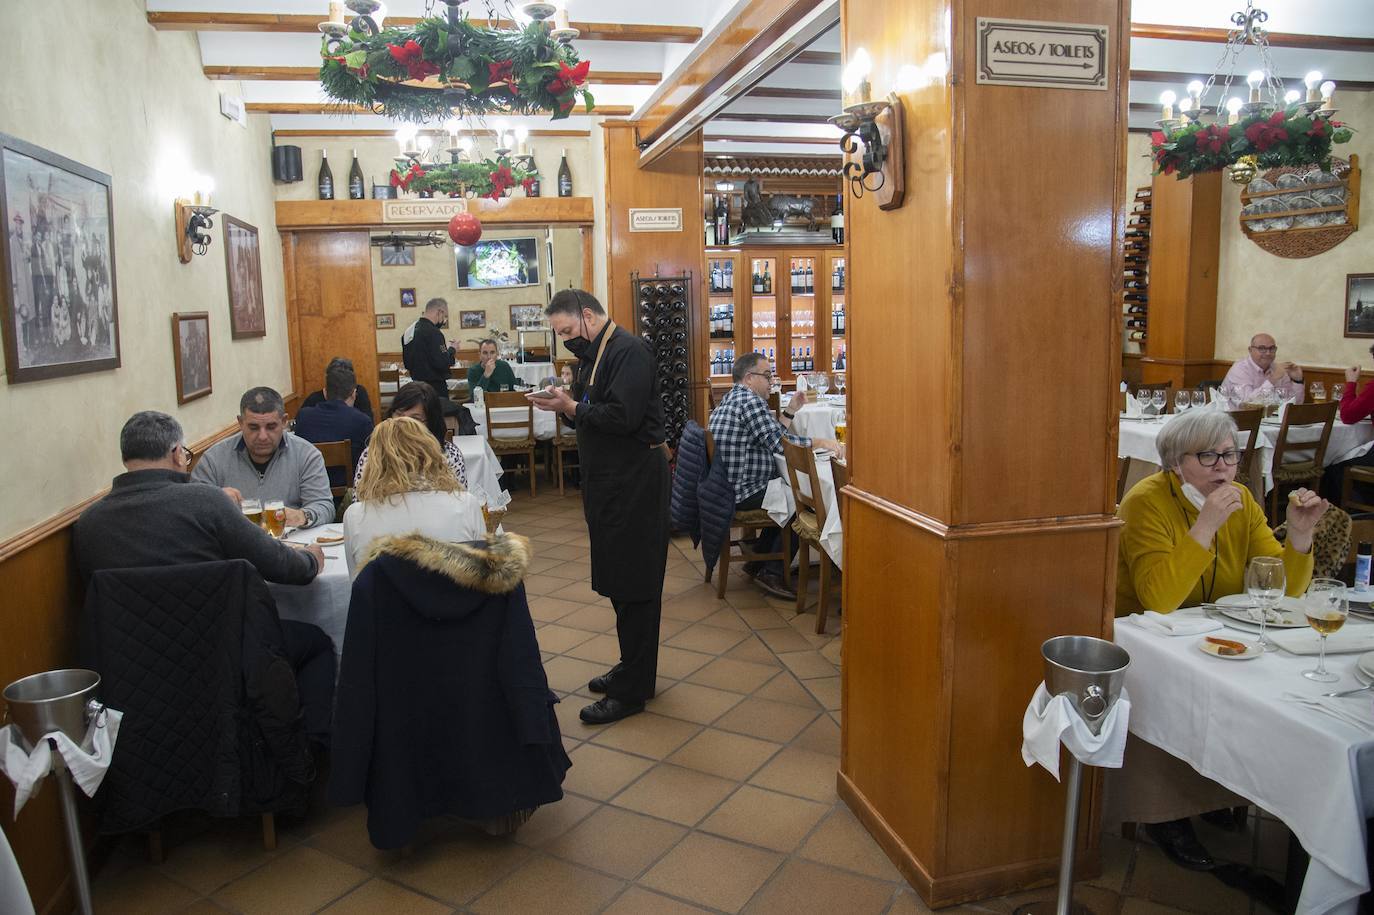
{"x": 765, "y": 375}
{"x": 1266, "y": 350}
{"x": 1210, "y": 458}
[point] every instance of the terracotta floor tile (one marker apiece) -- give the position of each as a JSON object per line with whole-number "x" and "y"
{"x": 754, "y": 651}
{"x": 647, "y": 734}
{"x": 573, "y": 570}
{"x": 1132, "y": 905}
{"x": 759, "y": 617}
{"x": 908, "y": 903}
{"x": 137, "y": 892}
{"x": 1158, "y": 879}
{"x": 549, "y": 609}
{"x": 577, "y": 590}
{"x": 841, "y": 841}
{"x": 834, "y": 651}
{"x": 669, "y": 627}
{"x": 639, "y": 901}
{"x": 302, "y": 880}
{"x": 749, "y": 597}
{"x": 678, "y": 663}
{"x": 548, "y": 885}
{"x": 544, "y": 584}
{"x": 225, "y": 851}
{"x": 541, "y": 564}
{"x": 738, "y": 676}
{"x": 784, "y": 640}
{"x": 787, "y": 688}
{"x": 825, "y": 689}
{"x": 759, "y": 817}
{"x": 694, "y": 606}
{"x": 459, "y": 866}
{"x": 600, "y": 649}
{"x": 558, "y": 639}
{"x": 200, "y": 907}
{"x": 803, "y": 888}
{"x": 692, "y": 702}
{"x": 1116, "y": 854}
{"x": 592, "y": 618}
{"x": 821, "y": 736}
{"x": 711, "y": 871}
{"x": 672, "y": 793}
{"x": 552, "y": 820}
{"x": 346, "y": 839}
{"x": 600, "y": 773}
{"x": 806, "y": 665}
{"x": 1093, "y": 898}
{"x": 710, "y": 639}
{"x": 800, "y": 772}
{"x": 569, "y": 723}
{"x": 774, "y": 721}
{"x": 565, "y": 551}
{"x": 732, "y": 756}
{"x": 377, "y": 895}
{"x": 727, "y": 618}
{"x": 616, "y": 841}
{"x": 674, "y": 587}
{"x": 566, "y": 674}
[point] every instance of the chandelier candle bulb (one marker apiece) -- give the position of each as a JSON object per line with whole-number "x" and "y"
{"x": 1254, "y": 81}
{"x": 1194, "y": 94}
{"x": 1233, "y": 110}
{"x": 1328, "y": 90}
{"x": 560, "y": 18}
{"x": 1167, "y": 99}
{"x": 1291, "y": 96}
{"x": 854, "y": 79}
{"x": 1313, "y": 81}
{"x": 336, "y": 11}
{"x": 522, "y": 137}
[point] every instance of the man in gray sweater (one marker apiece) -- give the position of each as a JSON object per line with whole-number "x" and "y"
{"x": 264, "y": 461}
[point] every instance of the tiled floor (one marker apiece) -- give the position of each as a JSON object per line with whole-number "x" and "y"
{"x": 719, "y": 798}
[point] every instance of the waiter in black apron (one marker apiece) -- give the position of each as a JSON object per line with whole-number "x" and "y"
{"x": 615, "y": 407}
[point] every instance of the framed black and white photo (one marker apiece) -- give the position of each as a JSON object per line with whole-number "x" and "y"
{"x": 1359, "y": 305}
{"x": 191, "y": 352}
{"x": 243, "y": 262}
{"x": 398, "y": 256}
{"x": 60, "y": 313}
{"x": 469, "y": 320}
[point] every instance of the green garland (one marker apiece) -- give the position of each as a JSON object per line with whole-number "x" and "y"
{"x": 1288, "y": 137}
{"x": 488, "y": 178}
{"x": 513, "y": 71}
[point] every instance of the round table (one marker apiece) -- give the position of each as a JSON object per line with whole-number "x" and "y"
{"x": 817, "y": 419}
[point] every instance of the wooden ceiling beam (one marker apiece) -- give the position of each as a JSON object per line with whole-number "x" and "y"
{"x": 309, "y": 23}
{"x": 1276, "y": 39}
{"x": 609, "y": 111}
{"x": 312, "y": 74}
{"x": 773, "y": 118}
{"x": 746, "y": 138}
{"x": 778, "y": 92}
{"x": 388, "y": 134}
{"x": 817, "y": 58}
{"x": 1185, "y": 76}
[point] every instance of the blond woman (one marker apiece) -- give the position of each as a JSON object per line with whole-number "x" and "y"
{"x": 407, "y": 487}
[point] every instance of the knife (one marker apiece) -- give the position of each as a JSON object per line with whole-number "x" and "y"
{"x": 1349, "y": 692}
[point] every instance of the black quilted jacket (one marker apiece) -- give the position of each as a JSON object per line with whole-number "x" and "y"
{"x": 191, "y": 655}
{"x": 703, "y": 499}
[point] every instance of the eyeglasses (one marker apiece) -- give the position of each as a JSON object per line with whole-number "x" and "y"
{"x": 1265, "y": 349}
{"x": 186, "y": 454}
{"x": 1210, "y": 458}
{"x": 761, "y": 374}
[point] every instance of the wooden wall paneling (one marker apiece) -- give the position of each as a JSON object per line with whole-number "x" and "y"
{"x": 331, "y": 297}
{"x": 964, "y": 547}
{"x": 509, "y": 211}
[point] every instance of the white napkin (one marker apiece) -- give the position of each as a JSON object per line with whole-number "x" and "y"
{"x": 1132, "y": 406}
{"x": 87, "y": 769}
{"x": 1357, "y": 714}
{"x": 1307, "y": 642}
{"x": 1173, "y": 623}
{"x": 1215, "y": 398}
{"x": 1049, "y": 720}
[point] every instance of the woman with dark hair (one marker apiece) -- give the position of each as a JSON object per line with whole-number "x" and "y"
{"x": 418, "y": 401}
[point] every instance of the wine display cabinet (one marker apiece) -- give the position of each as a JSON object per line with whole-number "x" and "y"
{"x": 1136, "y": 269}
{"x": 664, "y": 304}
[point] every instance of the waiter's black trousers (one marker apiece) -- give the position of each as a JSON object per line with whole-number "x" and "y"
{"x": 636, "y": 624}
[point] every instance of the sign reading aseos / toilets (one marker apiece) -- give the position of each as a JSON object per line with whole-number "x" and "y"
{"x": 1056, "y": 55}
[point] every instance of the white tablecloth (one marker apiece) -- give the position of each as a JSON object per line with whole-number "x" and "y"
{"x": 533, "y": 372}
{"x": 1228, "y": 720}
{"x": 778, "y": 502}
{"x": 1136, "y": 440}
{"x": 817, "y": 420}
{"x": 389, "y": 387}
{"x": 483, "y": 469}
{"x": 323, "y": 602}
{"x": 543, "y": 421}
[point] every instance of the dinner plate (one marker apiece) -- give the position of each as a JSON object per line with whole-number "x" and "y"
{"x": 1364, "y": 664}
{"x": 1237, "y": 607}
{"x": 1151, "y": 417}
{"x": 1251, "y": 650}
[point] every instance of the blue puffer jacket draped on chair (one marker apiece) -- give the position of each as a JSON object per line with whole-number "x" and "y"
{"x": 703, "y": 500}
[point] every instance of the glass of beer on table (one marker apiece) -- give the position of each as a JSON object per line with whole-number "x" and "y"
{"x": 841, "y": 426}
{"x": 1326, "y": 608}
{"x": 274, "y": 517}
{"x": 252, "y": 510}
{"x": 1318, "y": 392}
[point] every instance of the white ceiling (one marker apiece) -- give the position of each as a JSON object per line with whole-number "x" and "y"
{"x": 230, "y": 48}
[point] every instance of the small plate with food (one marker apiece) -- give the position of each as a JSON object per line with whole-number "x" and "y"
{"x": 1228, "y": 649}
{"x": 329, "y": 539}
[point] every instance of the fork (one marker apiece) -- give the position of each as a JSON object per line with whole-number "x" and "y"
{"x": 1348, "y": 692}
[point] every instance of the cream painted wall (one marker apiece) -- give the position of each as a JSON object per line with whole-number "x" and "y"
{"x": 1299, "y": 301}
{"x": 141, "y": 115}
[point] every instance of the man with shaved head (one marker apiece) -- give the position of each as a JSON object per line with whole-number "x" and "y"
{"x": 1261, "y": 371}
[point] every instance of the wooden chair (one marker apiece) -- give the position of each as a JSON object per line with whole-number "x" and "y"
{"x": 340, "y": 455}
{"x": 1300, "y": 472}
{"x": 1123, "y": 471}
{"x": 775, "y": 404}
{"x": 564, "y": 442}
{"x": 1248, "y": 424}
{"x": 808, "y": 524}
{"x": 523, "y": 444}
{"x": 749, "y": 521}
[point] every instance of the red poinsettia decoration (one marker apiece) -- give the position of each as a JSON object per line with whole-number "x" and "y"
{"x": 1265, "y": 134}
{"x": 1162, "y": 157}
{"x": 502, "y": 71}
{"x": 403, "y": 181}
{"x": 501, "y": 179}
{"x": 411, "y": 56}
{"x": 1213, "y": 139}
{"x": 1318, "y": 129}
{"x": 569, "y": 78}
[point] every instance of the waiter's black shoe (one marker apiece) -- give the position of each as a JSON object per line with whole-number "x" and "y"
{"x": 772, "y": 583}
{"x": 598, "y": 684}
{"x": 1177, "y": 840}
{"x": 604, "y": 711}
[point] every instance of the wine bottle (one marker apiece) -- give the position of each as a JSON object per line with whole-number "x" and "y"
{"x": 325, "y": 184}
{"x": 810, "y": 281}
{"x": 357, "y": 190}
{"x": 767, "y": 280}
{"x": 534, "y": 189}
{"x": 1137, "y": 336}
{"x": 565, "y": 188}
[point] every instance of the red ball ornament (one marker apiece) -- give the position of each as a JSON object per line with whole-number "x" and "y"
{"x": 465, "y": 229}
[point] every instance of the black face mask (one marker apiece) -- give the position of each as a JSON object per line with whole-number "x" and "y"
{"x": 578, "y": 346}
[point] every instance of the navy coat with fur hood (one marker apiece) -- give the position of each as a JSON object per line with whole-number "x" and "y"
{"x": 443, "y": 706}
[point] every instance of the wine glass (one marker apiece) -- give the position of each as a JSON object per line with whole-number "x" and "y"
{"x": 1160, "y": 400}
{"x": 1318, "y": 392}
{"x": 1337, "y": 392}
{"x": 839, "y": 382}
{"x": 820, "y": 382}
{"x": 1200, "y": 398}
{"x": 1326, "y": 609}
{"x": 1182, "y": 401}
{"x": 1264, "y": 582}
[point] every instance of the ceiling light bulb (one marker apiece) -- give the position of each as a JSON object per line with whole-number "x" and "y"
{"x": 1328, "y": 89}
{"x": 1233, "y": 105}
{"x": 1195, "y": 88}
{"x": 1168, "y": 97}
{"x": 856, "y": 71}
{"x": 1291, "y": 96}
{"x": 465, "y": 143}
{"x": 1313, "y": 79}
{"x": 1254, "y": 79}
{"x": 522, "y": 133}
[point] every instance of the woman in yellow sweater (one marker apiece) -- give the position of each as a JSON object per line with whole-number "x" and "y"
{"x": 1190, "y": 530}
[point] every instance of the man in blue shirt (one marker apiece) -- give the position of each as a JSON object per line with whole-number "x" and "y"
{"x": 335, "y": 419}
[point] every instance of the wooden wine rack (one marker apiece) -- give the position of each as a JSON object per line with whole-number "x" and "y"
{"x": 1136, "y": 267}
{"x": 663, "y": 304}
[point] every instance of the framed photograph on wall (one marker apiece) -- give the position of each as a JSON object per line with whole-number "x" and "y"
{"x": 469, "y": 320}
{"x": 243, "y": 263}
{"x": 526, "y": 316}
{"x": 60, "y": 314}
{"x": 398, "y": 256}
{"x": 191, "y": 353}
{"x": 408, "y": 297}
{"x": 1359, "y": 305}
{"x": 386, "y": 321}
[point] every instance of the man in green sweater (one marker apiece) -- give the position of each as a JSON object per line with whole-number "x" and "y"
{"x": 490, "y": 373}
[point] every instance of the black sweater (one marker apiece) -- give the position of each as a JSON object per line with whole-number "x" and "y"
{"x": 427, "y": 355}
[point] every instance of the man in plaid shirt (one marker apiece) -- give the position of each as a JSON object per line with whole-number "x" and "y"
{"x": 747, "y": 436}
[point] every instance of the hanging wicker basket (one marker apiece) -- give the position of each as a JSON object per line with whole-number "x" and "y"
{"x": 1306, "y": 242}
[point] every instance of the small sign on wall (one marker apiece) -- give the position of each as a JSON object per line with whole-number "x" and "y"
{"x": 428, "y": 210}
{"x": 1054, "y": 55}
{"x": 656, "y": 219}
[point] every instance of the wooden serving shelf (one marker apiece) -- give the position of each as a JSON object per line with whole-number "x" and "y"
{"x": 1310, "y": 241}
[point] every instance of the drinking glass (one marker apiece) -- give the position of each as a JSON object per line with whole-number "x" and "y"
{"x": 1182, "y": 401}
{"x": 841, "y": 426}
{"x": 1264, "y": 582}
{"x": 1318, "y": 392}
{"x": 1326, "y": 609}
{"x": 252, "y": 510}
{"x": 1160, "y": 400}
{"x": 274, "y": 516}
{"x": 820, "y": 382}
{"x": 1337, "y": 392}
{"x": 1200, "y": 398}
{"x": 839, "y": 382}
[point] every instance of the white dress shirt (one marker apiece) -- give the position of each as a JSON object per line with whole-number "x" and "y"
{"x": 455, "y": 517}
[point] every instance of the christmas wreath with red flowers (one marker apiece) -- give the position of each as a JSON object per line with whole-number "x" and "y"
{"x": 492, "y": 178}
{"x": 1287, "y": 137}
{"x": 440, "y": 68}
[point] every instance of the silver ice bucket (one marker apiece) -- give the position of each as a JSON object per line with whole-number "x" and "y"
{"x": 1087, "y": 670}
{"x": 58, "y": 700}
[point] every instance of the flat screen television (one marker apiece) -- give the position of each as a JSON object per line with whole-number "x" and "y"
{"x": 498, "y": 263}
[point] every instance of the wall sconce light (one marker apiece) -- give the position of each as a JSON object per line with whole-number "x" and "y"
{"x": 193, "y": 220}
{"x": 878, "y": 127}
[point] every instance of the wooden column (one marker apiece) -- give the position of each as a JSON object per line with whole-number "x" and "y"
{"x": 675, "y": 180}
{"x": 1185, "y": 239}
{"x": 980, "y": 517}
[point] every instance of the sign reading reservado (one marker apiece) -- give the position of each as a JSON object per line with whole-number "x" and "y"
{"x": 1055, "y": 55}
{"x": 438, "y": 209}
{"x": 655, "y": 219}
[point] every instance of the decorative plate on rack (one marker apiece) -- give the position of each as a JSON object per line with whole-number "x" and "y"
{"x": 1302, "y": 211}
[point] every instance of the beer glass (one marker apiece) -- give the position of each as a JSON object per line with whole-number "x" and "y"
{"x": 252, "y": 510}
{"x": 274, "y": 516}
{"x": 841, "y": 426}
{"x": 1326, "y": 609}
{"x": 1318, "y": 392}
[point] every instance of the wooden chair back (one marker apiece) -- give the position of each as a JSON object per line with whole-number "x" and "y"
{"x": 775, "y": 404}
{"x": 1305, "y": 414}
{"x": 340, "y": 455}
{"x": 564, "y": 436}
{"x": 840, "y": 471}
{"x": 1248, "y": 425}
{"x": 801, "y": 463}
{"x": 499, "y": 399}
{"x": 392, "y": 375}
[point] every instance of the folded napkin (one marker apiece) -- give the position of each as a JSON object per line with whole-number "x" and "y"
{"x": 1359, "y": 714}
{"x": 1305, "y": 641}
{"x": 1051, "y": 719}
{"x": 1133, "y": 406}
{"x": 1173, "y": 623}
{"x": 87, "y": 769}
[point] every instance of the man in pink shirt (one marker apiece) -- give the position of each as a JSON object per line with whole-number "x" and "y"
{"x": 1260, "y": 371}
